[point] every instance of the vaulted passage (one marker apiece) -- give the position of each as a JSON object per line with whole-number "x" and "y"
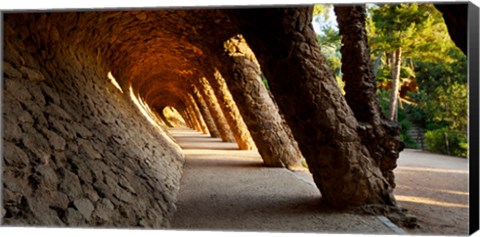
{"x": 89, "y": 98}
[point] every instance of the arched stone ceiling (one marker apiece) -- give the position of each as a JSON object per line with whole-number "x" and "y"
{"x": 157, "y": 52}
{"x": 160, "y": 52}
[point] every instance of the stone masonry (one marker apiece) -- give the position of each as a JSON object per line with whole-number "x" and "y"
{"x": 76, "y": 151}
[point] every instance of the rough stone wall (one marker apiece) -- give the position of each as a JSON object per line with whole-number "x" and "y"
{"x": 76, "y": 151}
{"x": 455, "y": 16}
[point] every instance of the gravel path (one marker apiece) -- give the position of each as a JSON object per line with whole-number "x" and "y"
{"x": 227, "y": 189}
{"x": 435, "y": 189}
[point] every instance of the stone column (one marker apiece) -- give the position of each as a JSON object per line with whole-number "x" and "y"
{"x": 212, "y": 128}
{"x": 232, "y": 115}
{"x": 186, "y": 116}
{"x": 186, "y": 113}
{"x": 360, "y": 91}
{"x": 194, "y": 118}
{"x": 210, "y": 99}
{"x": 201, "y": 122}
{"x": 162, "y": 116}
{"x": 321, "y": 121}
{"x": 257, "y": 107}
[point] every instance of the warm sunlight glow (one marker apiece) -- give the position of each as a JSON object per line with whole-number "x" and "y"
{"x": 114, "y": 81}
{"x": 184, "y": 72}
{"x": 437, "y": 190}
{"x": 173, "y": 116}
{"x": 422, "y": 169}
{"x": 150, "y": 115}
{"x": 145, "y": 109}
{"x": 428, "y": 201}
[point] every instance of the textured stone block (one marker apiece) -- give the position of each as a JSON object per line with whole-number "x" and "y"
{"x": 85, "y": 207}
{"x": 32, "y": 74}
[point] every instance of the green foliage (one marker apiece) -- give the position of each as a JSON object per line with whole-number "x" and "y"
{"x": 406, "y": 72}
{"x": 442, "y": 99}
{"x": 330, "y": 42}
{"x": 432, "y": 59}
{"x": 405, "y": 124}
{"x": 419, "y": 29}
{"x": 321, "y": 10}
{"x": 383, "y": 101}
{"x": 447, "y": 141}
{"x": 395, "y": 26}
{"x": 330, "y": 45}
{"x": 265, "y": 81}
{"x": 409, "y": 142}
{"x": 384, "y": 74}
{"x": 442, "y": 73}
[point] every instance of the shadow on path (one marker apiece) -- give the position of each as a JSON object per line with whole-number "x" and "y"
{"x": 224, "y": 188}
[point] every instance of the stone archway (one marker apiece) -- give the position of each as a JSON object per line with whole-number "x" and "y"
{"x": 102, "y": 151}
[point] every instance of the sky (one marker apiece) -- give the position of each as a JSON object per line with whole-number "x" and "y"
{"x": 332, "y": 21}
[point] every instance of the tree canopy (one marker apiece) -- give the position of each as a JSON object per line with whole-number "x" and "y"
{"x": 432, "y": 71}
{"x": 430, "y": 61}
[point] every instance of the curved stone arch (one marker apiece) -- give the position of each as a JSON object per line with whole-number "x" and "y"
{"x": 181, "y": 100}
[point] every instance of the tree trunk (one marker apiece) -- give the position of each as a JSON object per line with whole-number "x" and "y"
{"x": 321, "y": 121}
{"x": 207, "y": 117}
{"x": 360, "y": 89}
{"x": 412, "y": 65}
{"x": 230, "y": 110}
{"x": 388, "y": 60}
{"x": 212, "y": 104}
{"x": 257, "y": 108}
{"x": 377, "y": 64}
{"x": 397, "y": 58}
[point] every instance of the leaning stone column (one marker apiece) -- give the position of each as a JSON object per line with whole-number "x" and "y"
{"x": 360, "y": 91}
{"x": 321, "y": 121}
{"x": 193, "y": 117}
{"x": 164, "y": 119}
{"x": 257, "y": 108}
{"x": 212, "y": 128}
{"x": 211, "y": 101}
{"x": 187, "y": 114}
{"x": 188, "y": 121}
{"x": 201, "y": 122}
{"x": 232, "y": 115}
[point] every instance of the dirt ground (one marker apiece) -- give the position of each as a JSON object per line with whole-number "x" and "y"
{"x": 435, "y": 189}
{"x": 230, "y": 190}
{"x": 227, "y": 189}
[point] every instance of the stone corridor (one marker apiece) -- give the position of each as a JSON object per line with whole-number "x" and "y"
{"x": 93, "y": 102}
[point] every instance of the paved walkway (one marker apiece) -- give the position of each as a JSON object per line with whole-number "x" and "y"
{"x": 224, "y": 188}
